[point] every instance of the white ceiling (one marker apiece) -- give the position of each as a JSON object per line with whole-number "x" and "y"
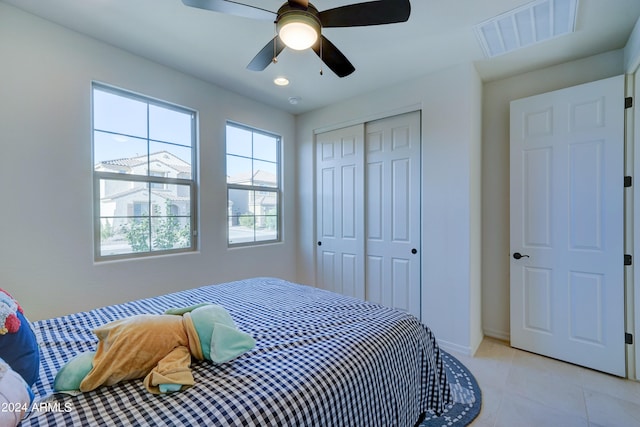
{"x": 217, "y": 47}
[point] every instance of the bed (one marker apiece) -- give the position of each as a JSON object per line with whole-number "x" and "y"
{"x": 321, "y": 359}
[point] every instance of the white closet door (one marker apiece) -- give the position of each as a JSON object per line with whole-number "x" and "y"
{"x": 368, "y": 211}
{"x": 340, "y": 211}
{"x": 393, "y": 212}
{"x": 567, "y": 216}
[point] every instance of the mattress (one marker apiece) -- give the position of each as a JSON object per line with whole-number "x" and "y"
{"x": 321, "y": 359}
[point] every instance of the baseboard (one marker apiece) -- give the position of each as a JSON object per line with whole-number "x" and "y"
{"x": 450, "y": 347}
{"x": 501, "y": 335}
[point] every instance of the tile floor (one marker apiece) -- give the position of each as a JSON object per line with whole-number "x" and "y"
{"x": 521, "y": 389}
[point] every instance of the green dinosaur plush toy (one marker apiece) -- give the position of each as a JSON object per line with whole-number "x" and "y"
{"x": 157, "y": 347}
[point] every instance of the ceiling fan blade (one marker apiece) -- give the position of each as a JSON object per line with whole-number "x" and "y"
{"x": 232, "y": 8}
{"x": 265, "y": 56}
{"x": 331, "y": 55}
{"x": 368, "y": 13}
{"x": 304, "y": 4}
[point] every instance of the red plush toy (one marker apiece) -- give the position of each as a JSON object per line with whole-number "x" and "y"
{"x": 9, "y": 308}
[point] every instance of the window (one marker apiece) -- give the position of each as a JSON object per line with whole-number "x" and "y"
{"x": 253, "y": 186}
{"x": 144, "y": 178}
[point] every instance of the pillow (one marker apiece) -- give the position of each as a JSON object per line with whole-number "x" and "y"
{"x": 18, "y": 345}
{"x": 15, "y": 396}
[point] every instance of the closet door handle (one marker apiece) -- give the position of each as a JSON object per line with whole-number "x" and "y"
{"x": 414, "y": 251}
{"x": 319, "y": 243}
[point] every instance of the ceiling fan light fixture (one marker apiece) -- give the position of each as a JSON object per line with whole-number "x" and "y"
{"x": 298, "y": 30}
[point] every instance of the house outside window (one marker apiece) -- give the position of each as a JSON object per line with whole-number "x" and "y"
{"x": 253, "y": 186}
{"x": 144, "y": 175}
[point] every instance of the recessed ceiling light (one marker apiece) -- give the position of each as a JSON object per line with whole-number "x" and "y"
{"x": 294, "y": 100}
{"x": 281, "y": 81}
{"x": 532, "y": 23}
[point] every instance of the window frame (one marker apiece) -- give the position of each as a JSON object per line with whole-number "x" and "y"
{"x": 150, "y": 181}
{"x": 277, "y": 190}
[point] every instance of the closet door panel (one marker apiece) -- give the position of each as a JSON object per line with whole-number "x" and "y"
{"x": 340, "y": 209}
{"x": 393, "y": 210}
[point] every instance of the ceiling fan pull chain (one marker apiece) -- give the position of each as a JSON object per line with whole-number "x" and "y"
{"x": 275, "y": 49}
{"x": 321, "y": 60}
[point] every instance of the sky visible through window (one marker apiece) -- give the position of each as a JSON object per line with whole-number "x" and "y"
{"x": 124, "y": 130}
{"x": 249, "y": 152}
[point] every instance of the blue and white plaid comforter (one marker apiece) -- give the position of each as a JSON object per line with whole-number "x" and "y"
{"x": 321, "y": 359}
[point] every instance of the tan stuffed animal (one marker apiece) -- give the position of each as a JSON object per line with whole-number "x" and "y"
{"x": 157, "y": 347}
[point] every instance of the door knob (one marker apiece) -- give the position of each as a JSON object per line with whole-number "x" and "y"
{"x": 518, "y": 255}
{"x": 414, "y": 251}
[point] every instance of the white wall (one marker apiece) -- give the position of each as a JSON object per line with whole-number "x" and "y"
{"x": 46, "y": 254}
{"x": 632, "y": 50}
{"x": 450, "y": 101}
{"x": 495, "y": 170}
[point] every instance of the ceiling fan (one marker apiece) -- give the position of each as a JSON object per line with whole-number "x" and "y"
{"x": 299, "y": 26}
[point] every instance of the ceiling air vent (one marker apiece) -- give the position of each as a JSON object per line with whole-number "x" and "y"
{"x": 530, "y": 24}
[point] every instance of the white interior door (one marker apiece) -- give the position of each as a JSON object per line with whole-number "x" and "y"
{"x": 567, "y": 253}
{"x": 392, "y": 150}
{"x": 340, "y": 211}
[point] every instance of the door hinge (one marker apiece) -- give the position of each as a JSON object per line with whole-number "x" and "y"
{"x": 628, "y": 102}
{"x": 628, "y": 181}
{"x": 628, "y": 338}
{"x": 628, "y": 259}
